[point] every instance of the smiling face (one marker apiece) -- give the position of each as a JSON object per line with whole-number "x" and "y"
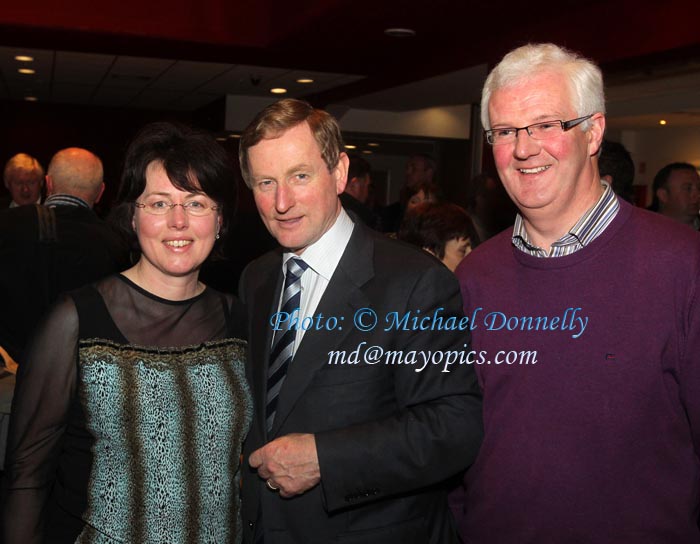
{"x": 174, "y": 244}
{"x": 296, "y": 195}
{"x": 553, "y": 180}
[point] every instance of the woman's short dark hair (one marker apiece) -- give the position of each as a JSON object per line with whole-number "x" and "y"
{"x": 193, "y": 162}
{"x": 431, "y": 225}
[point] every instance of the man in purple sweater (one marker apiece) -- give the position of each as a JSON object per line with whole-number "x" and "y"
{"x": 586, "y": 328}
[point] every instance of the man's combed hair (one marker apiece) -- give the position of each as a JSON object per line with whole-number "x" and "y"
{"x": 279, "y": 117}
{"x": 586, "y": 79}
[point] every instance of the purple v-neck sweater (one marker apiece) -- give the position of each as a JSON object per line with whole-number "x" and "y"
{"x": 598, "y": 440}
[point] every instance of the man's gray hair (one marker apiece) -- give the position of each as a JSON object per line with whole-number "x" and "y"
{"x": 24, "y": 162}
{"x": 585, "y": 77}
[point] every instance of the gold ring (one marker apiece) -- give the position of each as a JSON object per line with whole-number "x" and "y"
{"x": 270, "y": 486}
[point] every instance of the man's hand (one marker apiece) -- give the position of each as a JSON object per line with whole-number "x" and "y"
{"x": 289, "y": 463}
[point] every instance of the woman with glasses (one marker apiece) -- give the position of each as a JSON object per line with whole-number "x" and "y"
{"x": 130, "y": 411}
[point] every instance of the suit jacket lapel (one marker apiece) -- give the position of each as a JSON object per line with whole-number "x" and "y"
{"x": 265, "y": 304}
{"x": 342, "y": 297}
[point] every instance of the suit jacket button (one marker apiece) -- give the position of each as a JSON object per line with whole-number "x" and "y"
{"x": 251, "y": 524}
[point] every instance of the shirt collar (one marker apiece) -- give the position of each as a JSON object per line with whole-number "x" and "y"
{"x": 324, "y": 254}
{"x": 587, "y": 228}
{"x": 62, "y": 199}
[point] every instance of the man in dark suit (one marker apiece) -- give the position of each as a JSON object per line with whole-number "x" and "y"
{"x": 354, "y": 198}
{"x": 359, "y": 417}
{"x": 50, "y": 248}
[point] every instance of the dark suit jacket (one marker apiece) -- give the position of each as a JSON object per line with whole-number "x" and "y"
{"x": 387, "y": 436}
{"x": 34, "y": 273}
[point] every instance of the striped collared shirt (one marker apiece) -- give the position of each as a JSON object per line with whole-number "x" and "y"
{"x": 588, "y": 228}
{"x": 64, "y": 200}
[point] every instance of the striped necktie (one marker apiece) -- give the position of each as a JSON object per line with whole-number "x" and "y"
{"x": 283, "y": 340}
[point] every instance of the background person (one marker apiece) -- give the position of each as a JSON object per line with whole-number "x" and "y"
{"x": 443, "y": 229}
{"x": 131, "y": 408}
{"x": 356, "y": 194}
{"x": 617, "y": 168}
{"x": 420, "y": 172}
{"x": 24, "y": 179}
{"x": 676, "y": 190}
{"x": 55, "y": 247}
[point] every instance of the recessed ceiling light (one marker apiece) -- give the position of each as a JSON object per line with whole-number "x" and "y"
{"x": 24, "y": 58}
{"x": 278, "y": 90}
{"x": 26, "y": 71}
{"x": 31, "y": 98}
{"x": 234, "y": 135}
{"x": 366, "y": 151}
{"x": 662, "y": 122}
{"x": 221, "y": 139}
{"x": 349, "y": 146}
{"x": 305, "y": 80}
{"x": 373, "y": 144}
{"x": 400, "y": 32}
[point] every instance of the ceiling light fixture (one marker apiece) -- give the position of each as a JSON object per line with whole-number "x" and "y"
{"x": 349, "y": 146}
{"x": 26, "y": 71}
{"x": 373, "y": 144}
{"x": 31, "y": 98}
{"x": 24, "y": 58}
{"x": 400, "y": 32}
{"x": 662, "y": 122}
{"x": 305, "y": 80}
{"x": 366, "y": 151}
{"x": 278, "y": 90}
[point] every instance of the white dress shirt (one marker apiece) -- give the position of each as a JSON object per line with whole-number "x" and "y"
{"x": 322, "y": 257}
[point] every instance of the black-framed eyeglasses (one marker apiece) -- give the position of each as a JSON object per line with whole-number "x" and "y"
{"x": 538, "y": 131}
{"x": 194, "y": 208}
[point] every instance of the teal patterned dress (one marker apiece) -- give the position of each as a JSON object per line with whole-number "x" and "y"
{"x": 152, "y": 429}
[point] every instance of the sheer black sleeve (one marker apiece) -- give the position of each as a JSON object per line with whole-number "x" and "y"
{"x": 46, "y": 385}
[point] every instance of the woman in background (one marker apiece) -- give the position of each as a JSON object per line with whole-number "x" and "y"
{"x": 443, "y": 229}
{"x": 131, "y": 409}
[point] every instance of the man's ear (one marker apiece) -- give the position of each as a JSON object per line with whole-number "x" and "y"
{"x": 49, "y": 185}
{"x": 595, "y": 133}
{"x": 340, "y": 172}
{"x": 99, "y": 195}
{"x": 662, "y": 195}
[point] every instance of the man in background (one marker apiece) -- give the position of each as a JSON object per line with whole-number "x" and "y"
{"x": 617, "y": 168}
{"x": 420, "y": 171}
{"x": 50, "y": 248}
{"x": 24, "y": 179}
{"x": 354, "y": 197}
{"x": 676, "y": 193}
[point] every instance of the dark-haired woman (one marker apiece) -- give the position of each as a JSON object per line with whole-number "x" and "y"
{"x": 130, "y": 411}
{"x": 443, "y": 229}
